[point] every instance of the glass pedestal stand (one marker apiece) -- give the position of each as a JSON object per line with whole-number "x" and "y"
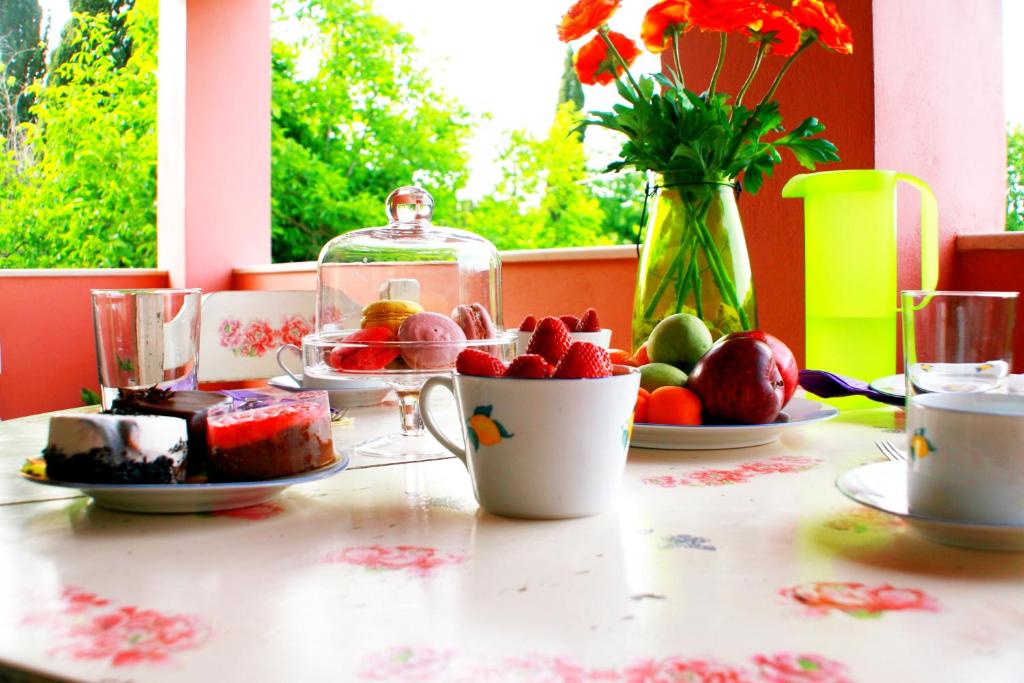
{"x": 413, "y": 442}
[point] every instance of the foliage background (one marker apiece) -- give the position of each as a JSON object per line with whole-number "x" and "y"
{"x": 354, "y": 115}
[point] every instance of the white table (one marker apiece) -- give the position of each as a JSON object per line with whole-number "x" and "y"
{"x": 393, "y": 573}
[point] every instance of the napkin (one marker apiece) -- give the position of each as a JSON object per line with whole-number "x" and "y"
{"x": 830, "y": 385}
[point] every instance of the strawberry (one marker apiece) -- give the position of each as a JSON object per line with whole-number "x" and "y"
{"x": 529, "y": 324}
{"x": 551, "y": 340}
{"x": 570, "y": 321}
{"x": 589, "y": 322}
{"x": 478, "y": 363}
{"x": 528, "y": 366}
{"x": 584, "y": 360}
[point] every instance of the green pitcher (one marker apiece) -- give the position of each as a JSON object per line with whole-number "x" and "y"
{"x": 850, "y": 262}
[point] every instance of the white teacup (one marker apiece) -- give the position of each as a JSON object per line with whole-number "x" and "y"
{"x": 966, "y": 457}
{"x": 541, "y": 448}
{"x": 603, "y": 338}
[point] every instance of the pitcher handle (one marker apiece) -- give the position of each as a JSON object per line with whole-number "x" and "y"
{"x": 428, "y": 418}
{"x": 929, "y": 232}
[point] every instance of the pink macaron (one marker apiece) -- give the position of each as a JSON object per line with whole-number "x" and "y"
{"x": 431, "y": 327}
{"x": 474, "y": 321}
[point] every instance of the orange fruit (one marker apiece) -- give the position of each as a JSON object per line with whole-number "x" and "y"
{"x": 620, "y": 357}
{"x": 673, "y": 406}
{"x": 641, "y": 356}
{"x": 640, "y": 411}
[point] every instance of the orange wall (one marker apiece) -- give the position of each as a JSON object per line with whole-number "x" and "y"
{"x": 1000, "y": 270}
{"x": 47, "y": 349}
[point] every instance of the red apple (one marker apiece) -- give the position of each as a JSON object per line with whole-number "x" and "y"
{"x": 784, "y": 359}
{"x": 738, "y": 381}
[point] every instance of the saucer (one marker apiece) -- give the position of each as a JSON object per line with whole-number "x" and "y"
{"x": 883, "y": 486}
{"x": 349, "y": 393}
{"x": 895, "y": 386}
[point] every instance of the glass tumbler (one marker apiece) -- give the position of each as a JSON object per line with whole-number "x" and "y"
{"x": 145, "y": 338}
{"x": 957, "y": 342}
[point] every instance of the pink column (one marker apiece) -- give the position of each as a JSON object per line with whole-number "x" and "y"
{"x": 215, "y": 201}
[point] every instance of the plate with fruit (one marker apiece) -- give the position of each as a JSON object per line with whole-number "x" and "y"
{"x": 700, "y": 394}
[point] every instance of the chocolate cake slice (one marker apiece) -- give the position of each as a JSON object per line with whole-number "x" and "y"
{"x": 116, "y": 449}
{"x": 192, "y": 406}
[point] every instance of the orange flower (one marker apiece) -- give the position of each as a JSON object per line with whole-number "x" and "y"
{"x": 584, "y": 16}
{"x": 823, "y": 18}
{"x": 724, "y": 15}
{"x": 670, "y": 14}
{"x": 779, "y": 29}
{"x": 595, "y": 65}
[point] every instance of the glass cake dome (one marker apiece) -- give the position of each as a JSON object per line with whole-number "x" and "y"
{"x": 398, "y": 303}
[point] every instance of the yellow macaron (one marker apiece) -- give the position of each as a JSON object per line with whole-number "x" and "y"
{"x": 389, "y": 313}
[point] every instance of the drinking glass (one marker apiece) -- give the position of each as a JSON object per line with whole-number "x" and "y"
{"x": 957, "y": 342}
{"x": 145, "y": 337}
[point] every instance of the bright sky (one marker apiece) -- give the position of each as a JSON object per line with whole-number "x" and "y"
{"x": 505, "y": 60}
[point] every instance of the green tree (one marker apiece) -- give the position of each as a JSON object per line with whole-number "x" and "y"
{"x": 363, "y": 120}
{"x": 86, "y": 194}
{"x": 22, "y": 60}
{"x": 115, "y": 12}
{"x": 541, "y": 200}
{"x": 1015, "y": 178}
{"x": 570, "y": 89}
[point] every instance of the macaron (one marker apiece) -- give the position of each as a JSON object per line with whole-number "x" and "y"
{"x": 475, "y": 321}
{"x": 424, "y": 328}
{"x": 389, "y": 313}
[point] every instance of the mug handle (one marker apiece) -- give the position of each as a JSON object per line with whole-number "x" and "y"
{"x": 428, "y": 420}
{"x": 296, "y": 349}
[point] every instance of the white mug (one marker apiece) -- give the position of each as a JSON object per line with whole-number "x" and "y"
{"x": 966, "y": 457}
{"x": 541, "y": 448}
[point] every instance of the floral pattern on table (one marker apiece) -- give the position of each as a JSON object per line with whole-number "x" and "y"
{"x": 687, "y": 541}
{"x": 256, "y": 337}
{"x": 862, "y": 520}
{"x": 782, "y": 464}
{"x": 416, "y": 560}
{"x": 858, "y": 599}
{"x": 426, "y": 664}
{"x": 87, "y": 627}
{"x": 254, "y": 513}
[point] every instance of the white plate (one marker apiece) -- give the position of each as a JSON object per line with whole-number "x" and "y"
{"x": 798, "y": 412}
{"x": 351, "y": 393}
{"x": 176, "y": 498}
{"x": 883, "y": 486}
{"x": 896, "y": 386}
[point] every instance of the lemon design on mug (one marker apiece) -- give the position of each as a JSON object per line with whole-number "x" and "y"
{"x": 483, "y": 430}
{"x": 920, "y": 446}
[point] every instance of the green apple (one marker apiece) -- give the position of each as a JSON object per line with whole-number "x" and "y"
{"x": 679, "y": 340}
{"x": 656, "y": 375}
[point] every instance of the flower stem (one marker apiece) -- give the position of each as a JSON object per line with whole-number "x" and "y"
{"x": 753, "y": 72}
{"x": 719, "y": 274}
{"x": 718, "y": 66}
{"x": 679, "y": 64}
{"x": 603, "y": 32}
{"x": 785, "y": 67}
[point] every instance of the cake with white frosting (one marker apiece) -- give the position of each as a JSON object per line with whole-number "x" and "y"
{"x": 117, "y": 449}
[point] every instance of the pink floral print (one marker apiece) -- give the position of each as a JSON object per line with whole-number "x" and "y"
{"x": 858, "y": 599}
{"x": 418, "y": 561}
{"x": 84, "y": 626}
{"x": 782, "y": 464}
{"x": 257, "y": 337}
{"x": 425, "y": 664}
{"x": 799, "y": 668}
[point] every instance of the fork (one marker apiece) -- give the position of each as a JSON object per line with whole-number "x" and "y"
{"x": 890, "y": 451}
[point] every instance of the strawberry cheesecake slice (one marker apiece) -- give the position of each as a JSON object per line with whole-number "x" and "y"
{"x": 273, "y": 434}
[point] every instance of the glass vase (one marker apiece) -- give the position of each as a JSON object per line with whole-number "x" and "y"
{"x": 694, "y": 260}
